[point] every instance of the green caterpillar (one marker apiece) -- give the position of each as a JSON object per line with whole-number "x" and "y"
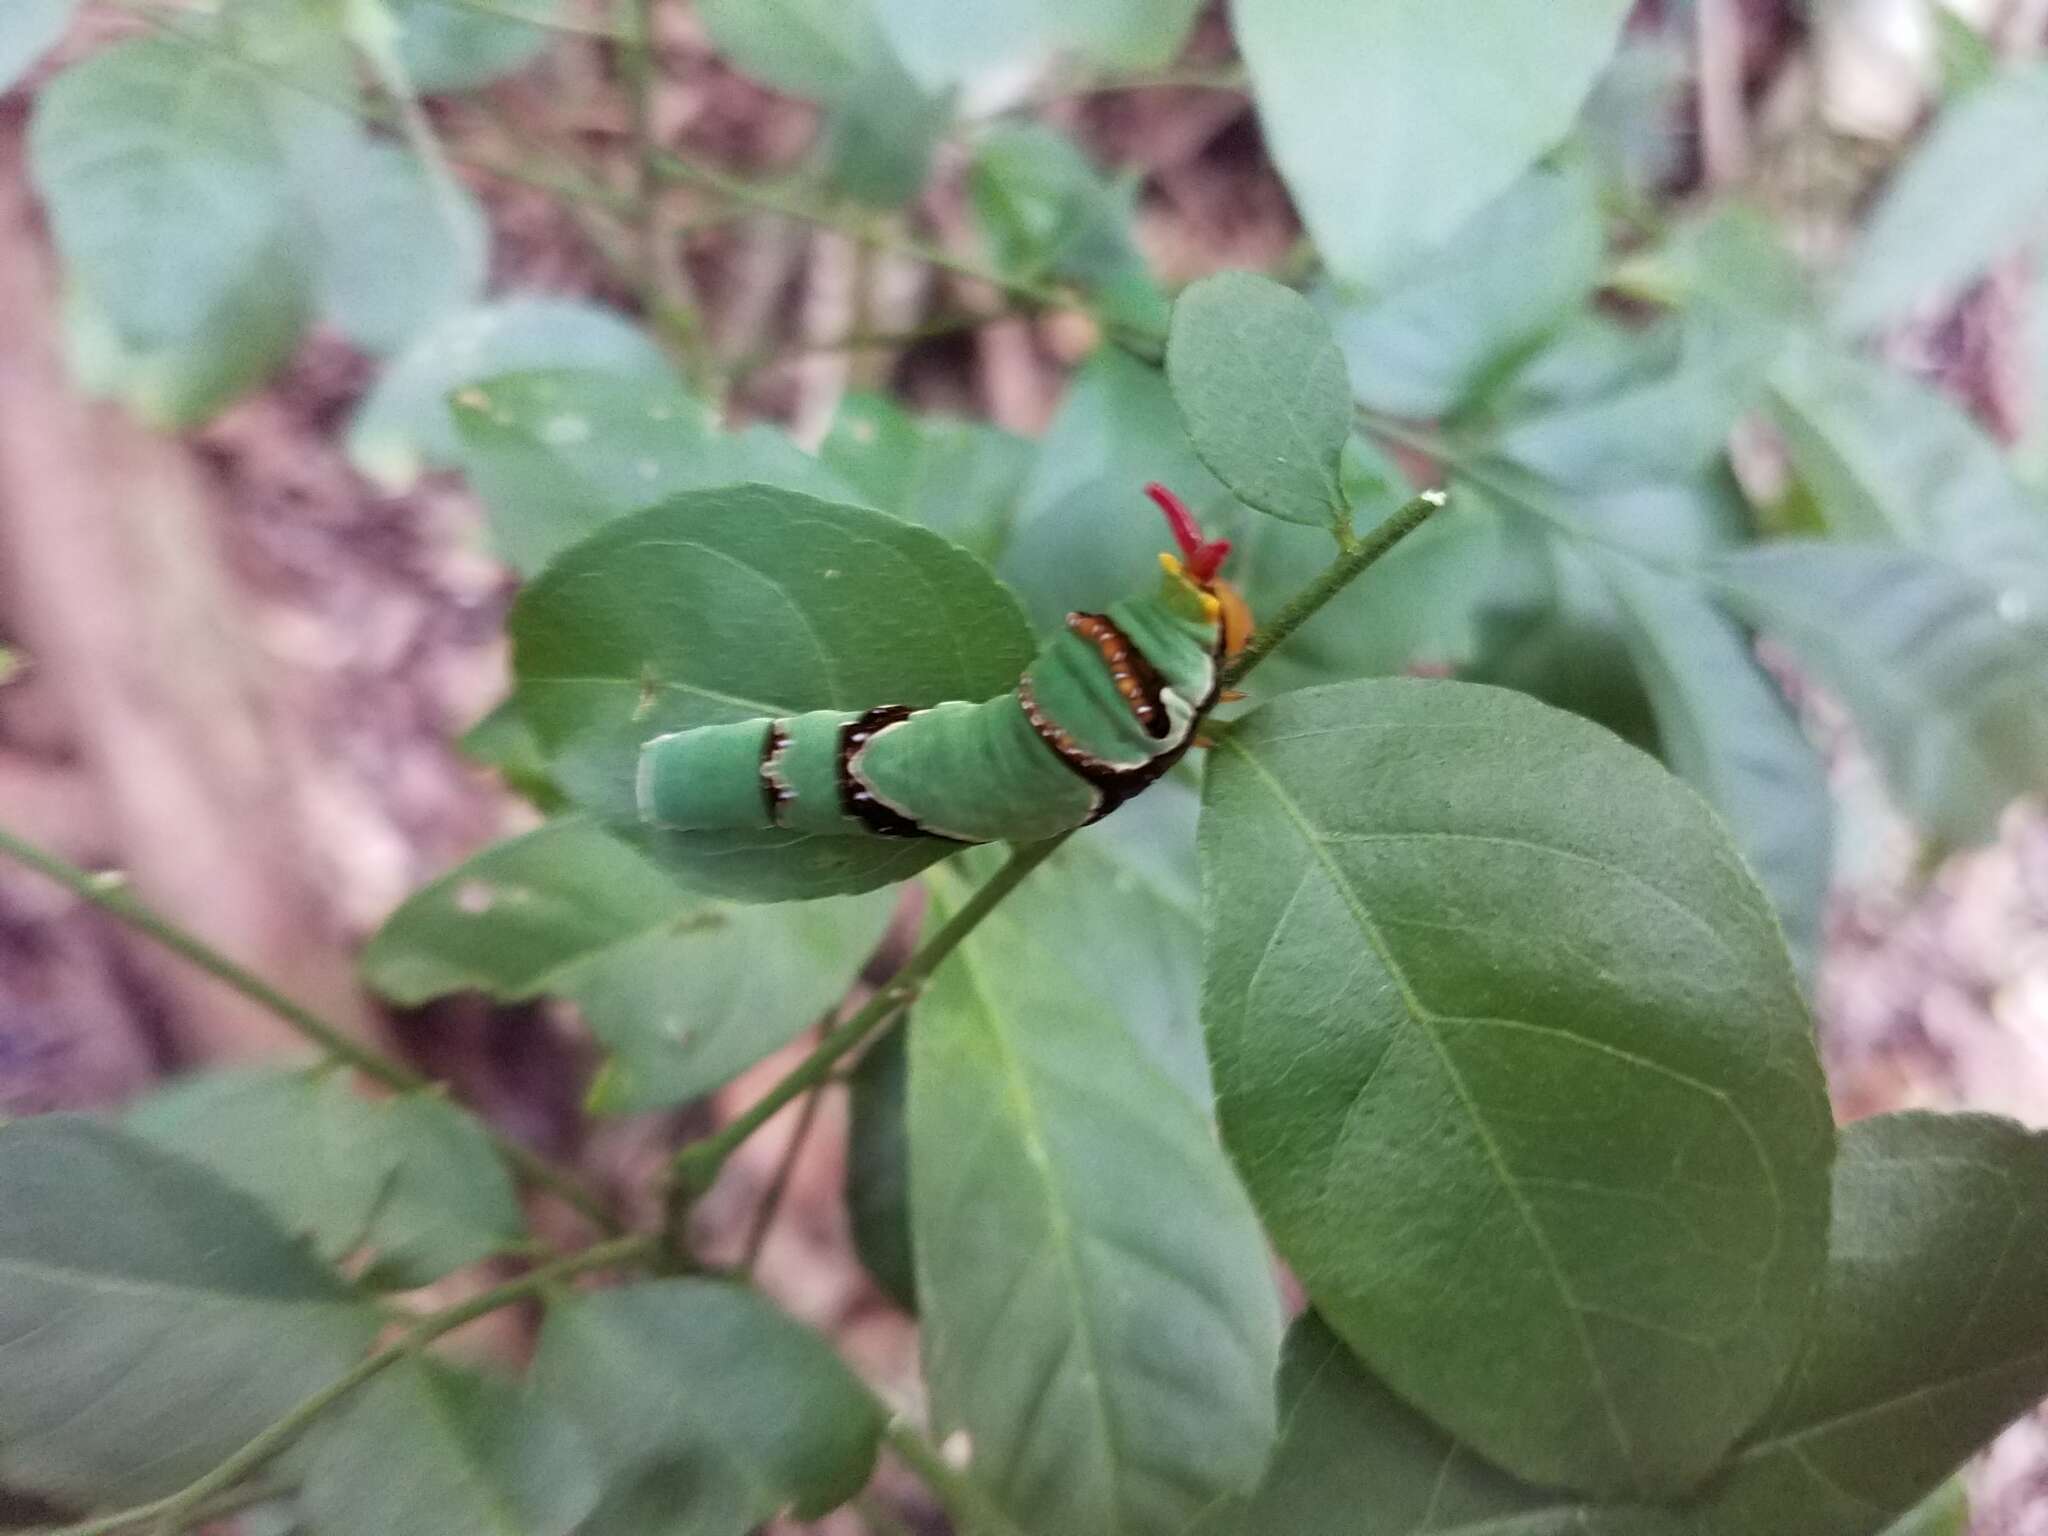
{"x": 1106, "y": 708}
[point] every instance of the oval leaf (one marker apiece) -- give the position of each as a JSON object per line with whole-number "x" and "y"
{"x": 1261, "y": 386}
{"x": 479, "y": 1457}
{"x": 1097, "y": 1312}
{"x": 708, "y": 1410}
{"x": 1394, "y": 121}
{"x": 1510, "y": 1052}
{"x": 725, "y": 605}
{"x": 156, "y": 1319}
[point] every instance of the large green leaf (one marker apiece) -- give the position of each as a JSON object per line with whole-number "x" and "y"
{"x": 1885, "y": 455}
{"x": 556, "y": 454}
{"x": 1962, "y": 201}
{"x": 405, "y": 427}
{"x": 674, "y": 984}
{"x": 725, "y": 605}
{"x": 429, "y": 1449}
{"x": 156, "y": 161}
{"x": 1508, "y": 1048}
{"x": 708, "y": 1409}
{"x": 1097, "y": 1313}
{"x": 1425, "y": 346}
{"x": 155, "y": 1319}
{"x": 1261, "y": 386}
{"x": 1945, "y": 668}
{"x": 28, "y": 30}
{"x": 1933, "y": 1333}
{"x": 410, "y": 1179}
{"x": 447, "y": 45}
{"x": 1394, "y": 121}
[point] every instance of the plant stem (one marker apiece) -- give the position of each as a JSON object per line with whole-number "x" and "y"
{"x": 778, "y": 1186}
{"x": 174, "y": 1512}
{"x": 667, "y": 295}
{"x": 696, "y": 1167}
{"x": 1350, "y": 564}
{"x": 972, "y": 1512}
{"x": 109, "y": 892}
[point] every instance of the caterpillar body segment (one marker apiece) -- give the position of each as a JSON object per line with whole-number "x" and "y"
{"x": 1107, "y": 706}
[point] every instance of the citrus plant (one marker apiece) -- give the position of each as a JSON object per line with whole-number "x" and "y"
{"x": 1447, "y": 935}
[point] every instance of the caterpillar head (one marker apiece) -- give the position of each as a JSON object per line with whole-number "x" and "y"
{"x": 1195, "y": 572}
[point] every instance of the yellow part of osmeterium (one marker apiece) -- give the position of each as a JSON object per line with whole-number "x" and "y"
{"x": 1221, "y": 603}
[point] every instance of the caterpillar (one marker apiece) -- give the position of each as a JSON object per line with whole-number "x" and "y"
{"x": 1107, "y": 707}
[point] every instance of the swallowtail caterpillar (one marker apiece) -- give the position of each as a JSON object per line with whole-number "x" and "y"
{"x": 1105, "y": 708}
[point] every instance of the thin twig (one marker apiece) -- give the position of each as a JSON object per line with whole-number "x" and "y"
{"x": 778, "y": 1185}
{"x": 174, "y": 1512}
{"x": 110, "y": 893}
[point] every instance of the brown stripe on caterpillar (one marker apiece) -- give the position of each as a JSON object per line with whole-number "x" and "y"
{"x": 855, "y": 798}
{"x": 775, "y": 790}
{"x": 1137, "y": 681}
{"x": 1060, "y": 740}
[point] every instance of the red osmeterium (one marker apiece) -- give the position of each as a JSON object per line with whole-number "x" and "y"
{"x": 1204, "y": 557}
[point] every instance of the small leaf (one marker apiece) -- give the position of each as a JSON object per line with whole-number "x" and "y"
{"x": 404, "y": 427}
{"x": 961, "y": 479}
{"x": 1508, "y": 1049}
{"x": 1394, "y": 121}
{"x": 1097, "y": 1313}
{"x": 878, "y": 1169}
{"x": 1261, "y": 386}
{"x": 165, "y": 189}
{"x": 1512, "y": 273}
{"x": 450, "y": 1201}
{"x": 708, "y": 1409}
{"x": 820, "y": 50}
{"x": 1945, "y": 669}
{"x": 1944, "y": 1512}
{"x": 503, "y": 741}
{"x": 448, "y": 46}
{"x": 673, "y": 984}
{"x": 558, "y": 453}
{"x": 793, "y": 604}
{"x": 478, "y": 1457}
{"x": 1961, "y": 201}
{"x": 880, "y": 138}
{"x": 28, "y": 30}
{"x": 156, "y": 1318}
{"x": 299, "y": 1141}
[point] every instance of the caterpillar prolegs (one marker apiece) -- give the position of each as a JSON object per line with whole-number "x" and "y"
{"x": 1105, "y": 708}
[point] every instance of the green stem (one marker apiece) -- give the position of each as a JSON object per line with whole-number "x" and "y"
{"x": 696, "y": 1167}
{"x": 111, "y": 895}
{"x": 1350, "y": 564}
{"x": 174, "y": 1512}
{"x": 972, "y": 1512}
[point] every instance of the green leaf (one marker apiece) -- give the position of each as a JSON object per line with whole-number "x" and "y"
{"x": 558, "y": 453}
{"x": 961, "y": 479}
{"x": 1097, "y": 1312}
{"x": 878, "y": 1169}
{"x": 880, "y": 138}
{"x": 398, "y": 247}
{"x": 1394, "y": 121}
{"x": 1261, "y": 387}
{"x": 30, "y": 29}
{"x": 298, "y": 1140}
{"x": 791, "y": 604}
{"x": 1424, "y": 347}
{"x": 1883, "y": 454}
{"x": 1508, "y": 1049}
{"x": 410, "y": 1178}
{"x": 447, "y": 45}
{"x": 429, "y": 1449}
{"x": 502, "y": 741}
{"x": 1931, "y": 1337}
{"x": 1962, "y": 201}
{"x": 404, "y": 427}
{"x": 946, "y": 44}
{"x": 156, "y": 1319}
{"x": 708, "y": 1409}
{"x": 1946, "y": 1511}
{"x": 246, "y": 337}
{"x": 672, "y": 983}
{"x": 1945, "y": 669}
{"x": 164, "y": 187}
{"x": 820, "y": 50}
{"x": 1047, "y": 213}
